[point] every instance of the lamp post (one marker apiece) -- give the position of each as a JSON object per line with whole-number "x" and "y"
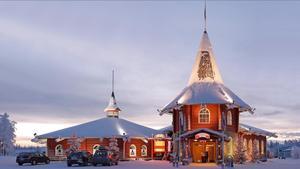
{"x": 125, "y": 138}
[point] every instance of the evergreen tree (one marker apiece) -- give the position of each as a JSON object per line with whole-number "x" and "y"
{"x": 255, "y": 151}
{"x": 113, "y": 144}
{"x": 240, "y": 151}
{"x": 7, "y": 135}
{"x": 74, "y": 144}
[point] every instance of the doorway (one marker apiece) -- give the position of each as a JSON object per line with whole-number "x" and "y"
{"x": 203, "y": 151}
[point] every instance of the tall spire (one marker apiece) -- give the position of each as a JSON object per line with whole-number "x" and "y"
{"x": 205, "y": 23}
{"x": 112, "y": 108}
{"x": 205, "y": 68}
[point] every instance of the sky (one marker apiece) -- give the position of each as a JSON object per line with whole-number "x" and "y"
{"x": 56, "y": 60}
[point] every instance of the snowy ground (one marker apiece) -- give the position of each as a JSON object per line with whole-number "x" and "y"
{"x": 9, "y": 163}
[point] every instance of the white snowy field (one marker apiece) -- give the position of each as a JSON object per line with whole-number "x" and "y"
{"x": 9, "y": 163}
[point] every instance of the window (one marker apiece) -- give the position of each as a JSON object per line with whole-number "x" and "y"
{"x": 181, "y": 122}
{"x": 144, "y": 150}
{"x": 262, "y": 144}
{"x": 59, "y": 150}
{"x": 229, "y": 118}
{"x": 95, "y": 148}
{"x": 132, "y": 150}
{"x": 204, "y": 115}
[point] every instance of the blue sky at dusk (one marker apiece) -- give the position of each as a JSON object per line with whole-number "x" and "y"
{"x": 57, "y": 57}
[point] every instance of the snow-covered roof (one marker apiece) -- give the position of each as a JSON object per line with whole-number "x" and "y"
{"x": 205, "y": 130}
{"x": 205, "y": 85}
{"x": 254, "y": 130}
{"x": 206, "y": 93}
{"x": 105, "y": 127}
{"x": 166, "y": 129}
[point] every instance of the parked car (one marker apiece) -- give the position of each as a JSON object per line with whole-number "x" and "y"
{"x": 81, "y": 158}
{"x": 105, "y": 157}
{"x": 33, "y": 158}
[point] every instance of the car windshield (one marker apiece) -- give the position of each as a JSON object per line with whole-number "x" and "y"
{"x": 26, "y": 154}
{"x": 75, "y": 155}
{"x": 101, "y": 153}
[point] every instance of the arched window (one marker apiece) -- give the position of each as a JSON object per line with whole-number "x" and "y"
{"x": 59, "y": 151}
{"x": 144, "y": 150}
{"x": 229, "y": 118}
{"x": 204, "y": 115}
{"x": 132, "y": 150}
{"x": 95, "y": 148}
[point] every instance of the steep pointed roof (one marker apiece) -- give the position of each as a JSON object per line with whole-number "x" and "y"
{"x": 205, "y": 85}
{"x": 112, "y": 108}
{"x": 205, "y": 68}
{"x": 112, "y": 105}
{"x": 103, "y": 128}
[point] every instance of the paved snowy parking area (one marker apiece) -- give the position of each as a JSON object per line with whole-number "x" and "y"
{"x": 9, "y": 163}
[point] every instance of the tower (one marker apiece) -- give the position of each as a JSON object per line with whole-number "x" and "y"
{"x": 112, "y": 109}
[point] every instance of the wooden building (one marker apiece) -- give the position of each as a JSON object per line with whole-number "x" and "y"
{"x": 206, "y": 114}
{"x": 134, "y": 141}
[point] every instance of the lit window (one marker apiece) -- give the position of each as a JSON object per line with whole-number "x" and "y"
{"x": 59, "y": 150}
{"x": 204, "y": 116}
{"x": 95, "y": 148}
{"x": 144, "y": 150}
{"x": 229, "y": 118}
{"x": 132, "y": 150}
{"x": 262, "y": 147}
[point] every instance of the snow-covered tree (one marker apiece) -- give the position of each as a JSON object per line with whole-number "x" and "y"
{"x": 255, "y": 151}
{"x": 7, "y": 135}
{"x": 74, "y": 144}
{"x": 113, "y": 144}
{"x": 295, "y": 152}
{"x": 239, "y": 151}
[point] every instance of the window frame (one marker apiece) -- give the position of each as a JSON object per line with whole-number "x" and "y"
{"x": 200, "y": 113}
{"x": 134, "y": 150}
{"x": 144, "y": 147}
{"x": 229, "y": 118}
{"x": 59, "y": 154}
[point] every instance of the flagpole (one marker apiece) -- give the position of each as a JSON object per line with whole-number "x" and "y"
{"x": 205, "y": 16}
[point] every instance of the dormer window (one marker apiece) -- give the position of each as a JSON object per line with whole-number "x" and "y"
{"x": 229, "y": 118}
{"x": 204, "y": 116}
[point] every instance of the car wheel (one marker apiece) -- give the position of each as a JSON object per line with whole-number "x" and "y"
{"x": 69, "y": 164}
{"x": 33, "y": 162}
{"x": 95, "y": 164}
{"x": 116, "y": 163}
{"x": 47, "y": 161}
{"x": 20, "y": 164}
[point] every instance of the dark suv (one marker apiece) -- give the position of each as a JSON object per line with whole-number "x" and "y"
{"x": 33, "y": 158}
{"x": 105, "y": 157}
{"x": 81, "y": 158}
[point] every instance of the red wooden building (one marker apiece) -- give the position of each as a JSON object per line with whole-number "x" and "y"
{"x": 134, "y": 141}
{"x": 206, "y": 113}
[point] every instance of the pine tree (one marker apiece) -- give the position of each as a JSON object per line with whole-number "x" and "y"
{"x": 255, "y": 151}
{"x": 7, "y": 135}
{"x": 74, "y": 144}
{"x": 240, "y": 151}
{"x": 113, "y": 144}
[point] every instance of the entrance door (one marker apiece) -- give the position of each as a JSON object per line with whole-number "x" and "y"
{"x": 203, "y": 151}
{"x": 210, "y": 149}
{"x": 197, "y": 151}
